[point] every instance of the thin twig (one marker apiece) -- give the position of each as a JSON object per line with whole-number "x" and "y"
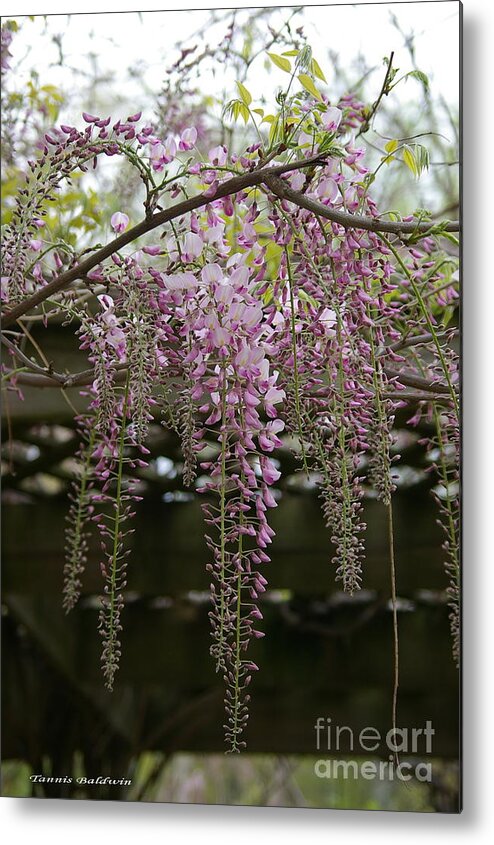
{"x": 383, "y": 92}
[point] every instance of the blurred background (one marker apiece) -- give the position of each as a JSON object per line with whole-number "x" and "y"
{"x": 324, "y": 655}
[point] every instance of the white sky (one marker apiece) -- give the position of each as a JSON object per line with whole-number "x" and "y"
{"x": 122, "y": 40}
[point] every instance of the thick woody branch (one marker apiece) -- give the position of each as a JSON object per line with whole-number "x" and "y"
{"x": 411, "y": 380}
{"x": 43, "y": 378}
{"x": 350, "y": 221}
{"x": 267, "y": 176}
{"x": 231, "y": 186}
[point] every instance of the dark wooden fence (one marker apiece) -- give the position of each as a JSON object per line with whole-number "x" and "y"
{"x": 323, "y": 654}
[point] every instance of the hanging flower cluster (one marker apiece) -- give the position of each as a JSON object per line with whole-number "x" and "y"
{"x": 260, "y": 312}
{"x": 114, "y": 432}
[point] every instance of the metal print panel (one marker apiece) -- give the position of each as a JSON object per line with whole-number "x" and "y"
{"x": 231, "y": 399}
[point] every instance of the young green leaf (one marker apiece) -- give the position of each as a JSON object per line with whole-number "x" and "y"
{"x": 422, "y": 157}
{"x": 244, "y": 112}
{"x": 245, "y": 95}
{"x": 316, "y": 70}
{"x": 450, "y": 237}
{"x": 410, "y": 161}
{"x": 309, "y": 86}
{"x": 280, "y": 62}
{"x": 305, "y": 297}
{"x": 421, "y": 76}
{"x": 391, "y": 146}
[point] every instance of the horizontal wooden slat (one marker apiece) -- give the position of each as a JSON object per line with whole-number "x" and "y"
{"x": 167, "y": 696}
{"x": 169, "y": 552}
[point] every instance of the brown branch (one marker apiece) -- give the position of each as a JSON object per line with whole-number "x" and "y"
{"x": 268, "y": 176}
{"x": 350, "y": 221}
{"x": 39, "y": 378}
{"x": 36, "y": 379}
{"x": 42, "y": 371}
{"x": 231, "y": 186}
{"x": 406, "y": 396}
{"x": 411, "y": 380}
{"x": 420, "y": 340}
{"x": 414, "y": 340}
{"x": 43, "y": 378}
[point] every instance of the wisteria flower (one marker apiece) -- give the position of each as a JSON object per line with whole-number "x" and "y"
{"x": 187, "y": 139}
{"x": 162, "y": 154}
{"x": 328, "y": 319}
{"x": 119, "y": 222}
{"x": 332, "y": 118}
{"x": 218, "y": 155}
{"x": 328, "y": 189}
{"x": 193, "y": 246}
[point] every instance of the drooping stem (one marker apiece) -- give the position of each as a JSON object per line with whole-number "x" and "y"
{"x": 427, "y": 317}
{"x": 235, "y": 718}
{"x": 75, "y": 535}
{"x": 394, "y": 608}
{"x": 451, "y": 545}
{"x": 222, "y": 574}
{"x": 118, "y": 495}
{"x": 296, "y": 382}
{"x": 112, "y": 602}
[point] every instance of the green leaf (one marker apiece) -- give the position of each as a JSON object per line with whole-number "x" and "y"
{"x": 305, "y": 58}
{"x": 273, "y": 131}
{"x": 291, "y": 53}
{"x": 247, "y": 48}
{"x": 236, "y": 109}
{"x": 280, "y": 62}
{"x": 422, "y": 157}
{"x": 305, "y": 297}
{"x": 244, "y": 94}
{"x": 416, "y": 159}
{"x": 421, "y": 76}
{"x": 450, "y": 237}
{"x": 447, "y": 315}
{"x": 309, "y": 86}
{"x": 391, "y": 146}
{"x": 244, "y": 112}
{"x": 316, "y": 70}
{"x": 409, "y": 159}
{"x": 268, "y": 296}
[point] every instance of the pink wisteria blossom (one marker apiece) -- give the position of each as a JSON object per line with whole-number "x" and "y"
{"x": 249, "y": 317}
{"x": 331, "y": 118}
{"x": 218, "y": 155}
{"x": 119, "y": 222}
{"x": 188, "y": 139}
{"x": 162, "y": 153}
